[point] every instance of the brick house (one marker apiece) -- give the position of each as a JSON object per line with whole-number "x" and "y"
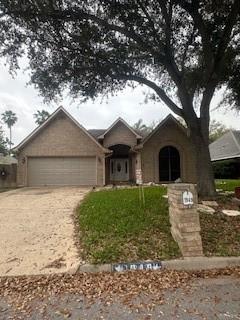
{"x": 62, "y": 152}
{"x": 225, "y": 155}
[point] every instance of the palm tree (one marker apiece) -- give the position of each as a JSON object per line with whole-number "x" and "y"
{"x": 140, "y": 126}
{"x": 3, "y": 142}
{"x": 143, "y": 128}
{"x": 9, "y": 118}
{"x": 41, "y": 116}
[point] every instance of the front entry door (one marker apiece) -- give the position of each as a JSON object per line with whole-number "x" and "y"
{"x": 119, "y": 170}
{"x": 169, "y": 164}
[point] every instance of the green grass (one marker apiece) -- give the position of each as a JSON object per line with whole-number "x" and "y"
{"x": 220, "y": 234}
{"x": 115, "y": 227}
{"x": 227, "y": 184}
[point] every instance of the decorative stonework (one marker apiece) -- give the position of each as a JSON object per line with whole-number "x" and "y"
{"x": 184, "y": 218}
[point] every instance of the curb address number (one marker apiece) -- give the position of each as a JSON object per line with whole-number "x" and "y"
{"x": 119, "y": 267}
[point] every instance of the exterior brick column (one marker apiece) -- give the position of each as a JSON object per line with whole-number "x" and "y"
{"x": 184, "y": 218}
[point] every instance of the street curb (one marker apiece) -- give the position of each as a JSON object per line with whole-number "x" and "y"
{"x": 201, "y": 263}
{"x": 187, "y": 264}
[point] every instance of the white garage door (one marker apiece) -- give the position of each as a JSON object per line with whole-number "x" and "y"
{"x": 61, "y": 171}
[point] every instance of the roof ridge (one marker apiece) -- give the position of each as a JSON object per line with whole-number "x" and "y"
{"x": 125, "y": 123}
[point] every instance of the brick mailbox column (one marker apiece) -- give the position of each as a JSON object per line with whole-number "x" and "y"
{"x": 184, "y": 218}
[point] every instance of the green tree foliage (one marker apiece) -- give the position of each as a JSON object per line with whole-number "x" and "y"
{"x": 183, "y": 50}
{"x": 41, "y": 116}
{"x": 216, "y": 130}
{"x": 9, "y": 118}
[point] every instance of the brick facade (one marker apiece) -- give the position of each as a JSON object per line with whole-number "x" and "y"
{"x": 60, "y": 138}
{"x": 120, "y": 134}
{"x": 169, "y": 134}
{"x": 184, "y": 219}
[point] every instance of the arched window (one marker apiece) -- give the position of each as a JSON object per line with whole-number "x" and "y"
{"x": 169, "y": 164}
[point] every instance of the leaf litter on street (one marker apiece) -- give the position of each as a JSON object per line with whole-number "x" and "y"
{"x": 21, "y": 292}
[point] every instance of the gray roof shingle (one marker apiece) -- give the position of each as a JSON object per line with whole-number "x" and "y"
{"x": 226, "y": 147}
{"x": 96, "y": 132}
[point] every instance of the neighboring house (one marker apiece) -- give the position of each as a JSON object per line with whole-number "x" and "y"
{"x": 8, "y": 171}
{"x": 227, "y": 147}
{"x": 62, "y": 152}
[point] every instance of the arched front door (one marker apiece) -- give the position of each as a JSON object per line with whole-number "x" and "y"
{"x": 169, "y": 164}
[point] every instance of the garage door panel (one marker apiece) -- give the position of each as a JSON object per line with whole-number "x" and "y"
{"x": 61, "y": 171}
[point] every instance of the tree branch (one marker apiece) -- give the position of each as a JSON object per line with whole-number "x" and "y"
{"x": 188, "y": 42}
{"x": 160, "y": 92}
{"x": 192, "y": 9}
{"x": 144, "y": 9}
{"x": 171, "y": 65}
{"x": 71, "y": 15}
{"x": 231, "y": 20}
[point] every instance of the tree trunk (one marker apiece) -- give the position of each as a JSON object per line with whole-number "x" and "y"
{"x": 10, "y": 142}
{"x": 204, "y": 169}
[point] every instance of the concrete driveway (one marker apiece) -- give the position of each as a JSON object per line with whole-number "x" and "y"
{"x": 37, "y": 230}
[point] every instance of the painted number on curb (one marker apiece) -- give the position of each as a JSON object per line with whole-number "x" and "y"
{"x": 119, "y": 267}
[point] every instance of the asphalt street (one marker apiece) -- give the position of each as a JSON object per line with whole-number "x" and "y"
{"x": 216, "y": 298}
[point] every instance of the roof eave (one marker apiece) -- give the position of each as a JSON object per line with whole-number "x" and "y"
{"x": 226, "y": 158}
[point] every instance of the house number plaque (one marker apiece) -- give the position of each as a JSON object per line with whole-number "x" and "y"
{"x": 187, "y": 198}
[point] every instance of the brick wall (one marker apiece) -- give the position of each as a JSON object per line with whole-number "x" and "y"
{"x": 119, "y": 134}
{"x": 169, "y": 134}
{"x": 61, "y": 137}
{"x": 184, "y": 219}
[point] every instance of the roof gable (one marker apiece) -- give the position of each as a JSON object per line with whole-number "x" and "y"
{"x": 52, "y": 117}
{"x": 169, "y": 118}
{"x": 125, "y": 124}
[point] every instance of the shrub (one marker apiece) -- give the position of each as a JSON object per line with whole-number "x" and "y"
{"x": 226, "y": 169}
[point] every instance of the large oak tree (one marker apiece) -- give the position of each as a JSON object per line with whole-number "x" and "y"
{"x": 184, "y": 50}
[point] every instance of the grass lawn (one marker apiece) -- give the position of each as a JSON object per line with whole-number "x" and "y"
{"x": 227, "y": 184}
{"x": 115, "y": 227}
{"x": 220, "y": 234}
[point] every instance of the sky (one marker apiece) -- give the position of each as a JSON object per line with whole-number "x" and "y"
{"x": 24, "y": 100}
